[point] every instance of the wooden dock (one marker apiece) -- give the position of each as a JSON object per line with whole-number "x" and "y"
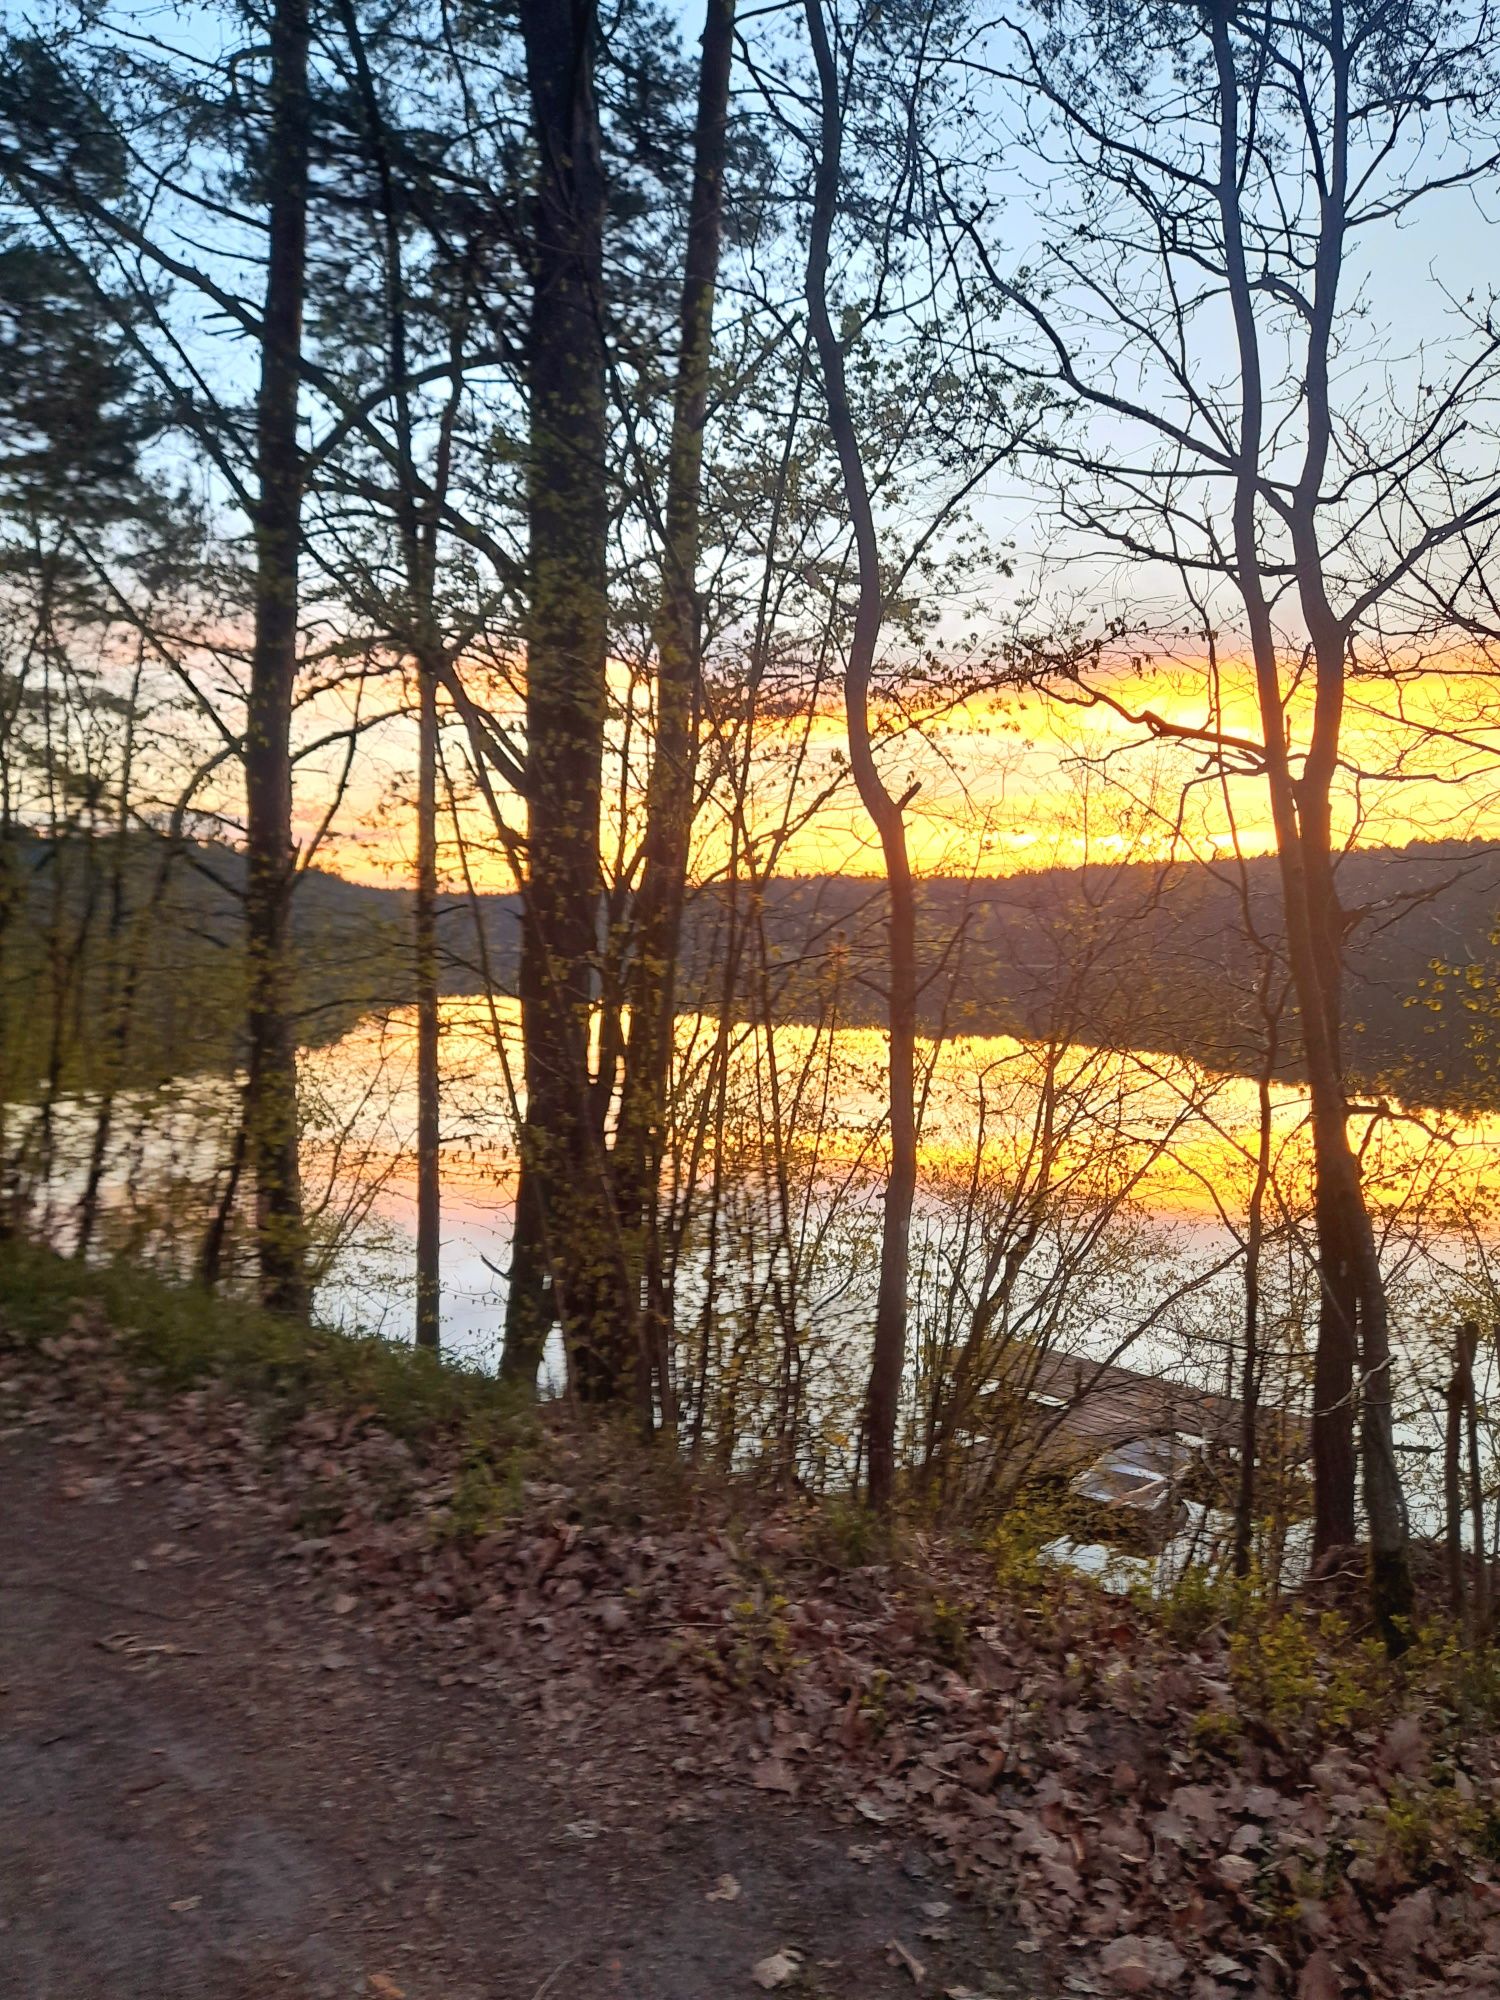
{"x": 1076, "y": 1408}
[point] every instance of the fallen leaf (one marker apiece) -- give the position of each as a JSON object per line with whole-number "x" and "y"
{"x": 725, "y": 1890}
{"x": 383, "y": 1984}
{"x": 344, "y": 1603}
{"x": 1319, "y": 1979}
{"x": 776, "y": 1970}
{"x": 1409, "y": 1923}
{"x": 774, "y": 1774}
{"x": 1142, "y": 1964}
{"x": 1236, "y": 1871}
{"x": 185, "y": 1903}
{"x": 1405, "y": 1746}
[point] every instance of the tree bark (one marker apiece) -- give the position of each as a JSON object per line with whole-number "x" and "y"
{"x": 1353, "y": 1324}
{"x": 418, "y": 628}
{"x": 119, "y": 994}
{"x": 1353, "y": 1276}
{"x": 429, "y": 1109}
{"x": 566, "y": 1258}
{"x": 1456, "y": 1396}
{"x": 216, "y": 1236}
{"x": 1250, "y": 1370}
{"x": 1476, "y": 1506}
{"x": 669, "y": 795}
{"x": 272, "y": 1099}
{"x": 883, "y": 1394}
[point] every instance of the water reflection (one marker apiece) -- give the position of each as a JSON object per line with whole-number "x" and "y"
{"x": 1107, "y": 1189}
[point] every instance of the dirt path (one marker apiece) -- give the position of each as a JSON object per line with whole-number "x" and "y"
{"x": 214, "y": 1784}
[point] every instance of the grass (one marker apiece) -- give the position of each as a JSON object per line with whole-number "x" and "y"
{"x": 170, "y": 1337}
{"x": 178, "y": 1336}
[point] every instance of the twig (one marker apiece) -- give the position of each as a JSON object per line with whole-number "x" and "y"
{"x": 552, "y": 1977}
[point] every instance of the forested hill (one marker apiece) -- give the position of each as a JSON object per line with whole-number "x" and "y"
{"x": 1157, "y": 957}
{"x": 1163, "y": 958}
{"x": 94, "y": 929}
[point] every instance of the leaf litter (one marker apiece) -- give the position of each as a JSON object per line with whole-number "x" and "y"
{"x": 1070, "y": 1762}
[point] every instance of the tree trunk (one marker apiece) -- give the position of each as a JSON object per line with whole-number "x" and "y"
{"x": 1352, "y": 1277}
{"x": 883, "y": 1395}
{"x": 9, "y": 878}
{"x": 1456, "y": 1396}
{"x": 669, "y": 797}
{"x": 1340, "y": 1218}
{"x": 417, "y": 625}
{"x": 1333, "y": 1368}
{"x": 1250, "y": 1373}
{"x": 1334, "y": 1359}
{"x": 1353, "y": 1326}
{"x": 1354, "y": 1320}
{"x": 215, "y": 1237}
{"x": 1476, "y": 1505}
{"x": 566, "y": 1256}
{"x": 429, "y": 1186}
{"x": 270, "y": 860}
{"x": 119, "y": 995}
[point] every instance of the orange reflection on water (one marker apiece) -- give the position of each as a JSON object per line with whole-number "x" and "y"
{"x": 1155, "y": 1134}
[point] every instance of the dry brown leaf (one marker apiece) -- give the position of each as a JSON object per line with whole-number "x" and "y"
{"x": 1236, "y": 1871}
{"x": 774, "y": 1774}
{"x": 777, "y": 1969}
{"x": 725, "y": 1890}
{"x": 1409, "y": 1923}
{"x": 1319, "y": 1979}
{"x": 1142, "y": 1964}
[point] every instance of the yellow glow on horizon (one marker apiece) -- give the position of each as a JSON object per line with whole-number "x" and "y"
{"x": 1019, "y": 781}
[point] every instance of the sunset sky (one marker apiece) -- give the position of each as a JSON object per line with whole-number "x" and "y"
{"x": 1022, "y": 781}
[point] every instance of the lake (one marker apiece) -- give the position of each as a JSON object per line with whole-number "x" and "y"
{"x": 1116, "y": 1184}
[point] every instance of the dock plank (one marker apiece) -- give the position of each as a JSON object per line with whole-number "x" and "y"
{"x": 1087, "y": 1407}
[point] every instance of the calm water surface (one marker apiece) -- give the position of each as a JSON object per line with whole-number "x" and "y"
{"x": 1148, "y": 1165}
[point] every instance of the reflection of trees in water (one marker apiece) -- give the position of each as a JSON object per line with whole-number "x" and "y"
{"x": 1074, "y": 1202}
